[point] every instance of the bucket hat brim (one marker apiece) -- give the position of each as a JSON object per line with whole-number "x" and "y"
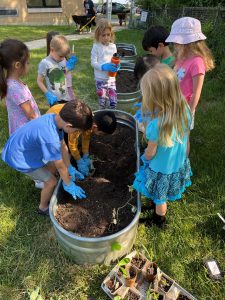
{"x": 184, "y": 39}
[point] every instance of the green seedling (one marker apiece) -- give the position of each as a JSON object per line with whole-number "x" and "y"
{"x": 122, "y": 264}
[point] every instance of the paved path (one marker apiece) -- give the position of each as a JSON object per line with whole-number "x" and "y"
{"x": 37, "y": 44}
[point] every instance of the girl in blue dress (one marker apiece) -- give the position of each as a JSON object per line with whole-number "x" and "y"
{"x": 166, "y": 169}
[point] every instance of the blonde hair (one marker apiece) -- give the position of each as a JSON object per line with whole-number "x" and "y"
{"x": 162, "y": 97}
{"x": 198, "y": 48}
{"x": 102, "y": 25}
{"x": 60, "y": 44}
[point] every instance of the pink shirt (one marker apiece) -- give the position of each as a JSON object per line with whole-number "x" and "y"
{"x": 17, "y": 94}
{"x": 186, "y": 70}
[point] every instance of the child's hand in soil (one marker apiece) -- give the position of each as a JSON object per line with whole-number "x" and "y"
{"x": 83, "y": 167}
{"x": 74, "y": 173}
{"x": 74, "y": 190}
{"x": 87, "y": 160}
{"x": 71, "y": 63}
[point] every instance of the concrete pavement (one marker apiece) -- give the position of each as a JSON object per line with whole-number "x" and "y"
{"x": 37, "y": 44}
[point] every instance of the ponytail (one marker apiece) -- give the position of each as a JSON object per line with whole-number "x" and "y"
{"x": 10, "y": 51}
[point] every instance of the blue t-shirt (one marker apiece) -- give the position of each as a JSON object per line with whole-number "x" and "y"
{"x": 167, "y": 160}
{"x": 30, "y": 146}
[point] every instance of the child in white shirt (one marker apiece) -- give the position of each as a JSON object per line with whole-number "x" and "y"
{"x": 101, "y": 54}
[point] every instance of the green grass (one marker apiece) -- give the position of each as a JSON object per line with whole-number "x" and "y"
{"x": 28, "y": 33}
{"x": 30, "y": 256}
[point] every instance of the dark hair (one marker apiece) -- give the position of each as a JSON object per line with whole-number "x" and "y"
{"x": 49, "y": 37}
{"x": 10, "y": 51}
{"x": 78, "y": 114}
{"x": 106, "y": 121}
{"x": 143, "y": 64}
{"x": 153, "y": 36}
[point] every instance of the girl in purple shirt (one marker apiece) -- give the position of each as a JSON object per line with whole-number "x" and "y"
{"x": 21, "y": 106}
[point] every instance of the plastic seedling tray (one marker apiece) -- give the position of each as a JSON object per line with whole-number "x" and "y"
{"x": 142, "y": 286}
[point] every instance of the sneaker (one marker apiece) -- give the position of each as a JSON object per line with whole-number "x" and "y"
{"x": 43, "y": 212}
{"x": 159, "y": 221}
{"x": 39, "y": 184}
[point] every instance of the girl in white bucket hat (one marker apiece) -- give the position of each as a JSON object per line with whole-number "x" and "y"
{"x": 193, "y": 58}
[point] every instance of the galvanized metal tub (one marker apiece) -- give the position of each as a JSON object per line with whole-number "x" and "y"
{"x": 128, "y": 98}
{"x": 130, "y": 47}
{"x": 98, "y": 250}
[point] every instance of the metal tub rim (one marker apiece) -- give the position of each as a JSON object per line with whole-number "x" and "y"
{"x": 69, "y": 234}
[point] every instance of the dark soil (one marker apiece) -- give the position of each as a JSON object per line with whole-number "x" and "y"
{"x": 165, "y": 284}
{"x": 113, "y": 284}
{"x": 132, "y": 296}
{"x": 132, "y": 272}
{"x": 183, "y": 297}
{"x": 107, "y": 191}
{"x": 126, "y": 82}
{"x": 125, "y": 52}
{"x": 138, "y": 262}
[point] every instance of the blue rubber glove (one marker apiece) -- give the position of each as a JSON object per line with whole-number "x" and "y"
{"x": 144, "y": 160}
{"x": 52, "y": 99}
{"x": 82, "y": 167}
{"x": 118, "y": 67}
{"x": 87, "y": 159}
{"x": 71, "y": 62}
{"x": 74, "y": 173}
{"x": 74, "y": 190}
{"x": 109, "y": 67}
{"x": 138, "y": 105}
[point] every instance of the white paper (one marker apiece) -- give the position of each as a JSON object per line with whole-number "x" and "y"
{"x": 214, "y": 268}
{"x": 144, "y": 15}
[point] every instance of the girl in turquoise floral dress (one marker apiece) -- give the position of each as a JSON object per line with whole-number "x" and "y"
{"x": 166, "y": 169}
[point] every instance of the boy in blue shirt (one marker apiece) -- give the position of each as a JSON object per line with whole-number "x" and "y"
{"x": 38, "y": 150}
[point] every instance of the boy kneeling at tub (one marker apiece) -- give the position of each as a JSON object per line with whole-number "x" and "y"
{"x": 104, "y": 122}
{"x": 38, "y": 150}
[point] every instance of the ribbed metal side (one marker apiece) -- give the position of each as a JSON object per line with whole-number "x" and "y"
{"x": 98, "y": 250}
{"x": 130, "y": 47}
{"x": 126, "y": 98}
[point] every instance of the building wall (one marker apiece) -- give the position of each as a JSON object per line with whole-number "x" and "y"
{"x": 45, "y": 16}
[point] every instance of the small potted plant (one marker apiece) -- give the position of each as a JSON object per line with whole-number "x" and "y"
{"x": 131, "y": 276}
{"x": 151, "y": 268}
{"x": 138, "y": 261}
{"x": 113, "y": 284}
{"x": 153, "y": 295}
{"x": 165, "y": 283}
{"x": 183, "y": 297}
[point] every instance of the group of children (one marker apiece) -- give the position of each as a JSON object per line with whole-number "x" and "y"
{"x": 171, "y": 86}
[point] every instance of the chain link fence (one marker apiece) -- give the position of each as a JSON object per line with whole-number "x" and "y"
{"x": 166, "y": 16}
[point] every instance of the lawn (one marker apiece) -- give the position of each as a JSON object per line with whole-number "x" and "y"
{"x": 27, "y": 33}
{"x": 30, "y": 256}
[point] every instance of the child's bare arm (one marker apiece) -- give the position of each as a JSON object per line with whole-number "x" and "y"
{"x": 40, "y": 82}
{"x": 197, "y": 89}
{"x": 150, "y": 151}
{"x": 28, "y": 110}
{"x": 63, "y": 172}
{"x": 65, "y": 153}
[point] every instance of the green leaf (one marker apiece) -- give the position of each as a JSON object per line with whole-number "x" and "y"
{"x": 117, "y": 298}
{"x": 116, "y": 246}
{"x": 124, "y": 261}
{"x": 39, "y": 298}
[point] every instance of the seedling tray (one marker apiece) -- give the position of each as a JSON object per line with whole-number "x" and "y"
{"x": 141, "y": 287}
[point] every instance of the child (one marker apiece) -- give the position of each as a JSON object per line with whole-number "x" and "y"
{"x": 193, "y": 58}
{"x": 101, "y": 54}
{"x": 155, "y": 43}
{"x": 103, "y": 122}
{"x": 14, "y": 62}
{"x": 37, "y": 149}
{"x": 68, "y": 74}
{"x": 53, "y": 69}
{"x": 166, "y": 171}
{"x": 142, "y": 65}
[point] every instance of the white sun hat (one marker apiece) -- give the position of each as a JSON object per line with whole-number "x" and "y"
{"x": 186, "y": 30}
